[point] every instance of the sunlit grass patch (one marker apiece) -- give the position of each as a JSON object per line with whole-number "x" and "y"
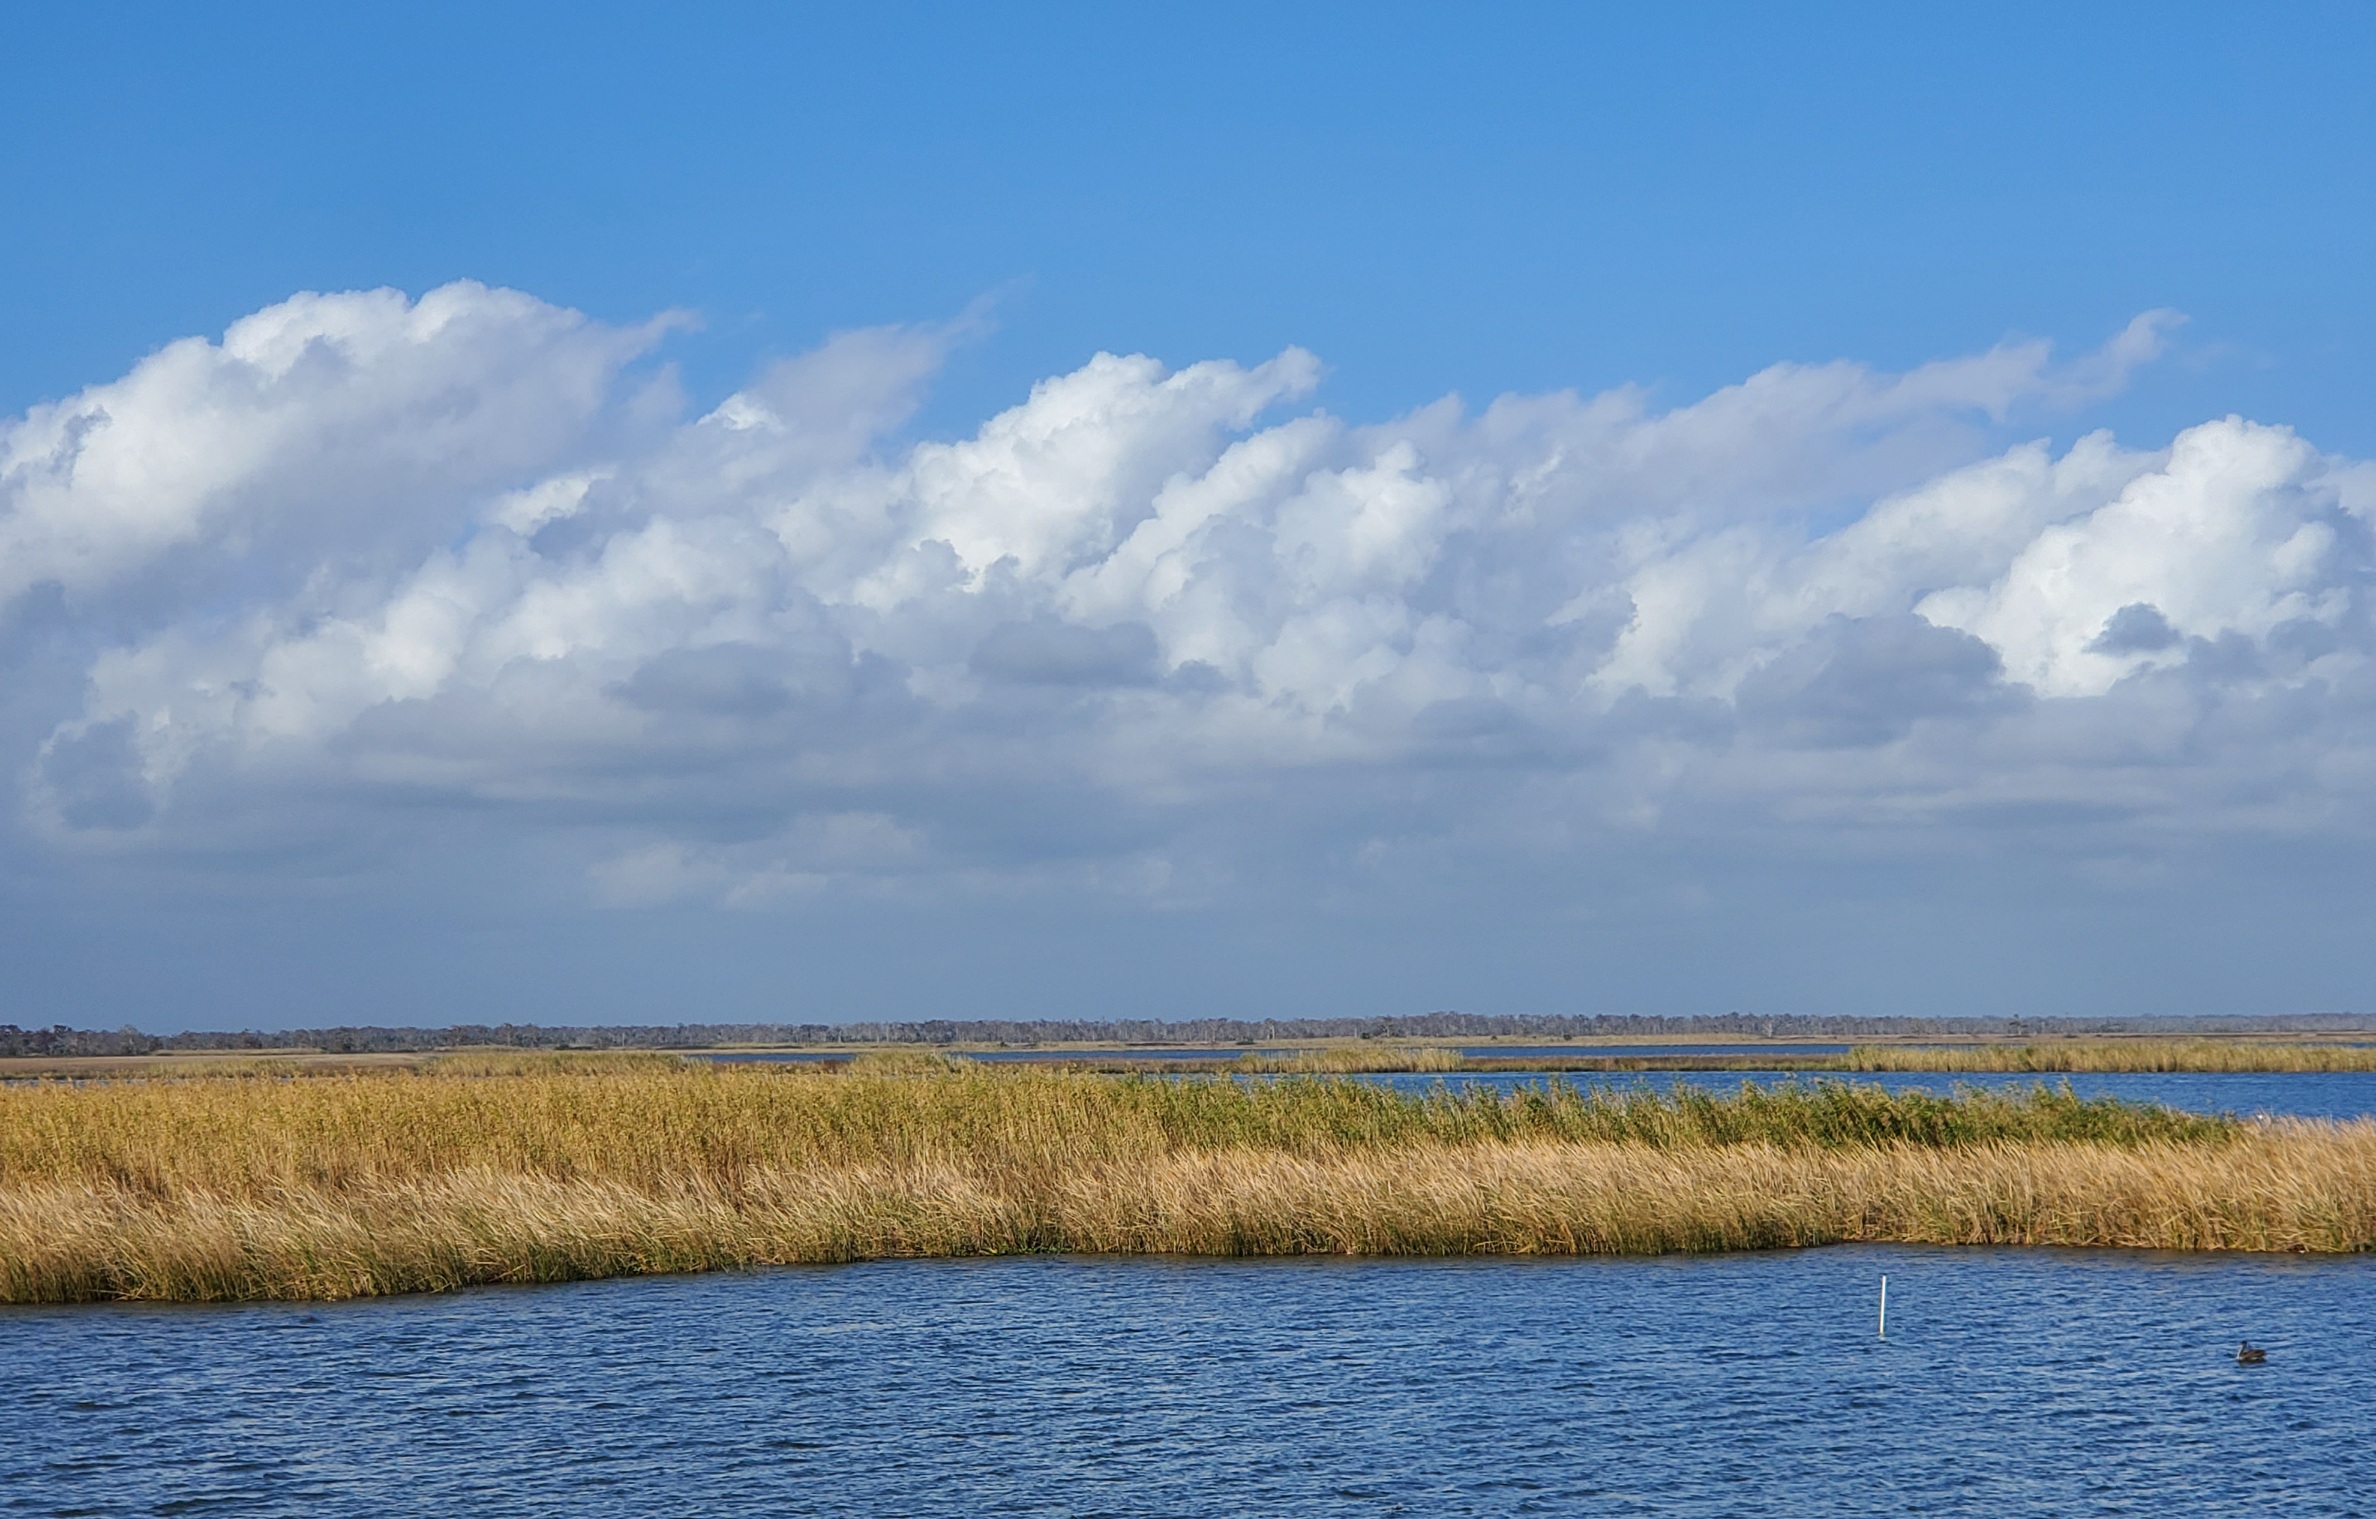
{"x": 469, "y": 1171}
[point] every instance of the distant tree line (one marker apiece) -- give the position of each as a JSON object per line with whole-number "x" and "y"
{"x": 61, "y": 1040}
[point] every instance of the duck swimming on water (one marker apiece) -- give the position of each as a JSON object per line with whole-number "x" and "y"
{"x": 2249, "y": 1354}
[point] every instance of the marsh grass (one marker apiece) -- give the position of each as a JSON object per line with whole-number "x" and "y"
{"x": 1350, "y": 1059}
{"x": 501, "y": 1062}
{"x": 333, "y": 1186}
{"x": 2122, "y": 1055}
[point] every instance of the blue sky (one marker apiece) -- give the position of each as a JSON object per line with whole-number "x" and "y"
{"x": 1463, "y": 198}
{"x": 344, "y": 693}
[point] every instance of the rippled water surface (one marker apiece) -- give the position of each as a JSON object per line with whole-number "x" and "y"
{"x": 2013, "y": 1382}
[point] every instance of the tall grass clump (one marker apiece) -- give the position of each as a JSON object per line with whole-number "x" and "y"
{"x": 2123, "y": 1055}
{"x": 348, "y": 1184}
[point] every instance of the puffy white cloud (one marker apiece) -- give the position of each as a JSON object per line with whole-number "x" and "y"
{"x": 2240, "y": 531}
{"x": 1149, "y": 626}
{"x": 307, "y": 428}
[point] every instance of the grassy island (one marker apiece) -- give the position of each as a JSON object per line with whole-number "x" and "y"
{"x": 2121, "y": 1055}
{"x": 263, "y": 1184}
{"x": 2041, "y": 1057}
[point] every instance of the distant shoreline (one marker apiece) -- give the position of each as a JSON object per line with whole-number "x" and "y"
{"x": 1221, "y": 1035}
{"x": 2341, "y": 1052}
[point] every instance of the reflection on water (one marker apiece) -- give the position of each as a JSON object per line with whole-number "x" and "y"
{"x": 2013, "y": 1382}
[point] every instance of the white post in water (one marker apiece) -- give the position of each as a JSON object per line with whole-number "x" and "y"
{"x": 1885, "y": 1305}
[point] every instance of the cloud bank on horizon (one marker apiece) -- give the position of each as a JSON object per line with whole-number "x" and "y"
{"x": 1163, "y": 633}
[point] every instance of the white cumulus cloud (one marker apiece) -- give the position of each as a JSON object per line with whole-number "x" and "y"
{"x": 1151, "y": 628}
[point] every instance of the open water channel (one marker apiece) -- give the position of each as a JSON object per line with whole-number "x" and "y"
{"x": 2013, "y": 1382}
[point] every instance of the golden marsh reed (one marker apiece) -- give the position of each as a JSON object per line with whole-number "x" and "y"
{"x": 344, "y": 1185}
{"x": 2124, "y": 1055}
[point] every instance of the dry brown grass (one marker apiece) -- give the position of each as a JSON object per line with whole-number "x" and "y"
{"x": 347, "y": 1185}
{"x": 2126, "y": 1055}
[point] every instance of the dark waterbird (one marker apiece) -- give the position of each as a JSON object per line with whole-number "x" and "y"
{"x": 2249, "y": 1354}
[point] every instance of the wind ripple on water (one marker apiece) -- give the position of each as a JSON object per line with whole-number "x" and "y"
{"x": 2014, "y": 1382}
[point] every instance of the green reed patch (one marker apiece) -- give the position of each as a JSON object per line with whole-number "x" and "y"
{"x": 1318, "y": 1113}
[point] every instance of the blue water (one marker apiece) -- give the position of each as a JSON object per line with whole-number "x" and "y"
{"x": 811, "y": 1057}
{"x": 2297, "y": 1094}
{"x": 2013, "y": 1383}
{"x": 1208, "y": 1052}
